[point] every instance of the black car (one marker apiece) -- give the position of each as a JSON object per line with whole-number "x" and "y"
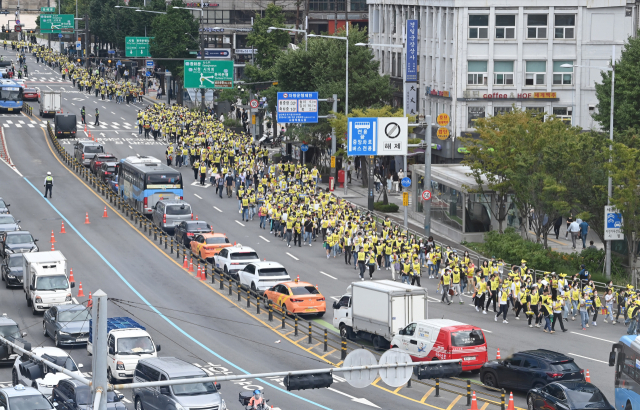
{"x": 107, "y": 171}
{"x": 12, "y": 270}
{"x": 100, "y": 159}
{"x": 70, "y": 394}
{"x": 530, "y": 369}
{"x": 4, "y": 207}
{"x": 17, "y": 242}
{"x": 8, "y": 223}
{"x": 186, "y": 230}
{"x": 9, "y": 329}
{"x": 567, "y": 395}
{"x": 67, "y": 324}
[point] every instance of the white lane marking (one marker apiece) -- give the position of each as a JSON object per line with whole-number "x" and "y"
{"x": 588, "y": 358}
{"x": 292, "y": 256}
{"x": 197, "y": 196}
{"x": 326, "y": 274}
{"x": 485, "y": 330}
{"x": 74, "y": 104}
{"x": 217, "y": 209}
{"x": 239, "y": 223}
{"x": 30, "y": 125}
{"x": 130, "y": 146}
{"x": 593, "y": 337}
{"x": 18, "y": 125}
{"x": 117, "y": 132}
{"x": 75, "y": 301}
{"x": 265, "y": 239}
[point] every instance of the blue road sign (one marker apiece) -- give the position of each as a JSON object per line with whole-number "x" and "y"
{"x": 614, "y": 221}
{"x": 362, "y": 136}
{"x": 60, "y": 35}
{"x": 118, "y": 62}
{"x": 148, "y": 73}
{"x": 297, "y": 107}
{"x": 111, "y": 51}
{"x": 613, "y": 224}
{"x": 406, "y": 182}
{"x": 304, "y": 148}
{"x": 150, "y": 64}
{"x": 216, "y": 53}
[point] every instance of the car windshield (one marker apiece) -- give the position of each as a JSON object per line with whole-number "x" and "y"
{"x": 197, "y": 225}
{"x": 75, "y": 315}
{"x": 135, "y": 345}
{"x": 217, "y": 240}
{"x": 2, "y": 205}
{"x": 16, "y": 261}
{"x": 83, "y": 396}
{"x": 304, "y": 290}
{"x": 56, "y": 282}
{"x": 19, "y": 238}
{"x": 164, "y": 179}
{"x": 273, "y": 272}
{"x": 110, "y": 169}
{"x": 243, "y": 256}
{"x": 193, "y": 389}
{"x": 7, "y": 219}
{"x": 10, "y": 330}
{"x": 93, "y": 149}
{"x": 467, "y": 338}
{"x": 63, "y": 361}
{"x": 105, "y": 158}
{"x": 586, "y": 394}
{"x": 29, "y": 403}
{"x": 568, "y": 366}
{"x": 30, "y": 90}
{"x": 178, "y": 210}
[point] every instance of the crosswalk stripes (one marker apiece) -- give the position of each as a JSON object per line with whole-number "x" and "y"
{"x": 106, "y": 125}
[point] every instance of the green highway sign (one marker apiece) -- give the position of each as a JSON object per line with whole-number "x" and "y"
{"x": 208, "y": 74}
{"x": 55, "y": 23}
{"x": 193, "y": 52}
{"x": 137, "y": 46}
{"x": 47, "y": 9}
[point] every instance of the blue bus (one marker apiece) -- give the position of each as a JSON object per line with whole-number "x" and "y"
{"x": 625, "y": 356}
{"x": 10, "y": 96}
{"x": 143, "y": 181}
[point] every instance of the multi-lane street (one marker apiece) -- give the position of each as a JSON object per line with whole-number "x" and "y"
{"x": 189, "y": 319}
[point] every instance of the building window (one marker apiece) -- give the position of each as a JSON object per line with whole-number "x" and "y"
{"x": 479, "y": 26}
{"x": 477, "y": 72}
{"x": 358, "y": 5}
{"x": 565, "y": 25}
{"x": 505, "y": 26}
{"x": 562, "y": 75}
{"x": 536, "y": 112}
{"x": 564, "y": 114}
{"x": 474, "y": 114}
{"x": 501, "y": 110}
{"x": 535, "y": 72}
{"x": 537, "y": 25}
{"x": 503, "y": 72}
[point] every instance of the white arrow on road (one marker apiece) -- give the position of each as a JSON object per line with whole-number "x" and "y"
{"x": 357, "y": 400}
{"x": 102, "y": 134}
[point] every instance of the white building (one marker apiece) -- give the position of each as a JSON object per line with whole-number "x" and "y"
{"x": 477, "y": 60}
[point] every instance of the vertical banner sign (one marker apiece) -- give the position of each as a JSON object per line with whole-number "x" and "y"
{"x": 612, "y": 224}
{"x": 412, "y": 51}
{"x": 412, "y": 98}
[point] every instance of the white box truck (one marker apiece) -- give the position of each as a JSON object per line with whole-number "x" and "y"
{"x": 50, "y": 103}
{"x": 45, "y": 280}
{"x": 376, "y": 310}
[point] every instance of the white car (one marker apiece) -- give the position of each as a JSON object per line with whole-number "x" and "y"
{"x": 37, "y": 375}
{"x": 235, "y": 258}
{"x": 260, "y": 276}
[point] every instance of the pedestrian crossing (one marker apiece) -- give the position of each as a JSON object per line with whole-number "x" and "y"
{"x": 104, "y": 125}
{"x": 44, "y": 79}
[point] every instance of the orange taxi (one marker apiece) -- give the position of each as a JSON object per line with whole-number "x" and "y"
{"x": 301, "y": 298}
{"x": 207, "y": 245}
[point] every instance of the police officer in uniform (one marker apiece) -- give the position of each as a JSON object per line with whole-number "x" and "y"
{"x": 97, "y": 118}
{"x": 48, "y": 185}
{"x": 82, "y": 115}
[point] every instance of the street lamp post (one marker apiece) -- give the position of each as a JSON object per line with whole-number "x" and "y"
{"x": 270, "y": 29}
{"x": 609, "y": 180}
{"x": 202, "y": 90}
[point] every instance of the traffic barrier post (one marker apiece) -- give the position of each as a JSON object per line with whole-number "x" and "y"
{"x": 240, "y": 293}
{"x": 502, "y": 399}
{"x": 295, "y": 324}
{"x": 326, "y": 341}
{"x": 229, "y": 285}
{"x": 166, "y": 239}
{"x": 270, "y": 310}
{"x": 258, "y": 304}
{"x": 155, "y": 233}
{"x": 468, "y": 392}
{"x": 437, "y": 388}
{"x": 310, "y": 336}
{"x": 171, "y": 240}
{"x": 343, "y": 349}
{"x": 284, "y": 317}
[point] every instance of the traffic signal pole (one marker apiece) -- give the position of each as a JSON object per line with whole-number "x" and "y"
{"x": 99, "y": 382}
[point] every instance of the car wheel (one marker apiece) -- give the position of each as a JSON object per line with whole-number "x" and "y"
{"x": 110, "y": 376}
{"x": 14, "y": 378}
{"x": 139, "y": 405}
{"x": 44, "y": 330}
{"x": 346, "y": 332}
{"x": 628, "y": 406}
{"x": 253, "y": 287}
{"x": 489, "y": 379}
{"x": 2, "y": 275}
{"x": 34, "y": 312}
{"x": 56, "y": 342}
{"x": 28, "y": 300}
{"x": 530, "y": 405}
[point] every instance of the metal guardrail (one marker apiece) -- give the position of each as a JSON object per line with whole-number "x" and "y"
{"x": 27, "y": 109}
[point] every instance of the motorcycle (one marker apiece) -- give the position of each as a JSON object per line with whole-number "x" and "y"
{"x": 244, "y": 398}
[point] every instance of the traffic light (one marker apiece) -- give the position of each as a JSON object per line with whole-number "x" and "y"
{"x": 308, "y": 381}
{"x": 438, "y": 371}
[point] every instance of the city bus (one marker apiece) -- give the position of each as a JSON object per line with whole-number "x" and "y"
{"x": 10, "y": 96}
{"x": 625, "y": 356}
{"x": 143, "y": 181}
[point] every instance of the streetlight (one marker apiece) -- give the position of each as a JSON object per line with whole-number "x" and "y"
{"x": 270, "y": 29}
{"x": 612, "y": 68}
{"x": 202, "y": 90}
{"x": 150, "y": 11}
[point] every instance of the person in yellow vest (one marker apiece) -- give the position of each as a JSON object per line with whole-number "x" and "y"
{"x": 547, "y": 312}
{"x": 503, "y": 298}
{"x": 533, "y": 305}
{"x": 445, "y": 281}
{"x": 416, "y": 272}
{"x": 371, "y": 263}
{"x": 456, "y": 277}
{"x": 203, "y": 173}
{"x": 362, "y": 255}
{"x": 557, "y": 304}
{"x": 597, "y": 305}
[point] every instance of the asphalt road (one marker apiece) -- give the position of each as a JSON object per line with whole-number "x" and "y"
{"x": 233, "y": 335}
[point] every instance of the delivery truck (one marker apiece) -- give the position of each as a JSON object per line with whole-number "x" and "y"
{"x": 50, "y": 103}
{"x": 377, "y": 310}
{"x": 127, "y": 343}
{"x": 45, "y": 280}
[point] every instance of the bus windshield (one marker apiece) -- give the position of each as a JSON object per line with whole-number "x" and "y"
{"x": 11, "y": 94}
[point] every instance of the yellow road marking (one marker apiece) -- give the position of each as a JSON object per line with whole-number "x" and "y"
{"x": 484, "y": 406}
{"x": 329, "y": 352}
{"x": 427, "y": 394}
{"x": 398, "y": 389}
{"x": 313, "y": 347}
{"x": 179, "y": 265}
{"x": 453, "y": 403}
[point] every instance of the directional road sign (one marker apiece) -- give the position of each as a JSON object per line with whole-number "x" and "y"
{"x": 304, "y": 148}
{"x": 54, "y": 23}
{"x": 426, "y": 195}
{"x": 208, "y": 74}
{"x": 406, "y": 182}
{"x": 137, "y": 46}
{"x": 362, "y": 136}
{"x": 150, "y": 64}
{"x": 47, "y": 9}
{"x": 253, "y": 103}
{"x": 393, "y": 135}
{"x": 612, "y": 224}
{"x": 216, "y": 53}
{"x": 297, "y": 107}
{"x": 78, "y": 45}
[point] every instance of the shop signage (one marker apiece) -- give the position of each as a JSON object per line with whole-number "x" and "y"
{"x": 438, "y": 93}
{"x": 211, "y": 29}
{"x": 476, "y": 94}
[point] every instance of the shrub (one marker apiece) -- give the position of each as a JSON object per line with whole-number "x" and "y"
{"x": 230, "y": 122}
{"x": 379, "y": 206}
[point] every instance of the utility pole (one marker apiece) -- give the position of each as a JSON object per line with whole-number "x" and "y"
{"x": 426, "y": 206}
{"x": 87, "y": 40}
{"x": 333, "y": 140}
{"x": 99, "y": 359}
{"x": 202, "y": 90}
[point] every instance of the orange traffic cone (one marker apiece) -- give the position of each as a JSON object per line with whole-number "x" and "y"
{"x": 53, "y": 238}
{"x": 80, "y": 292}
{"x": 198, "y": 272}
{"x": 104, "y": 215}
{"x": 498, "y": 355}
{"x": 297, "y": 278}
{"x": 90, "y": 303}
{"x": 510, "y": 406}
{"x": 86, "y": 219}
{"x": 62, "y": 228}
{"x": 587, "y": 377}
{"x": 185, "y": 264}
{"x": 191, "y": 265}
{"x": 71, "y": 280}
{"x": 203, "y": 275}
{"x": 85, "y": 127}
{"x": 235, "y": 243}
{"x": 196, "y": 217}
{"x": 474, "y": 403}
{"x": 52, "y": 248}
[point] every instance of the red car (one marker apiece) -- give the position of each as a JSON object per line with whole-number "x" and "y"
{"x": 98, "y": 160}
{"x": 30, "y": 94}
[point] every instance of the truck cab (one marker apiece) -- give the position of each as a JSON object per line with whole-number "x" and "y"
{"x": 342, "y": 318}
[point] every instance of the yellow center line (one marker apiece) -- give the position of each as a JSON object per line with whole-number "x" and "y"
{"x": 484, "y": 406}
{"x": 453, "y": 403}
{"x": 427, "y": 394}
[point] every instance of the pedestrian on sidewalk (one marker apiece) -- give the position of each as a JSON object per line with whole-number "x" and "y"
{"x": 584, "y": 230}
{"x": 574, "y": 231}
